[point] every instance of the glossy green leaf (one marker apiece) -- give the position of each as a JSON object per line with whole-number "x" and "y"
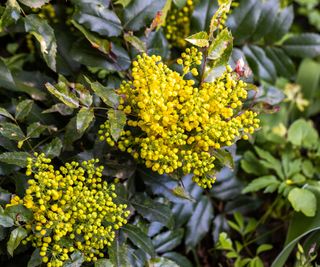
{"x": 76, "y": 260}
{"x": 103, "y": 263}
{"x": 108, "y": 95}
{"x": 19, "y": 213}
{"x": 303, "y": 45}
{"x": 11, "y": 131}
{"x": 199, "y": 223}
{"x": 44, "y": 34}
{"x": 61, "y": 108}
{"x": 261, "y": 65}
{"x": 200, "y": 39}
{"x": 167, "y": 241}
{"x": 135, "y": 42}
{"x": 34, "y": 3}
{"x": 118, "y": 254}
{"x": 84, "y": 117}
{"x": 162, "y": 262}
{"x": 96, "y": 16}
{"x": 243, "y": 20}
{"x": 63, "y": 93}
{"x": 281, "y": 24}
{"x": 15, "y": 158}
{"x": 53, "y": 149}
{"x": 157, "y": 44}
{"x": 215, "y": 22}
{"x": 224, "y": 157}
{"x": 35, "y": 259}
{"x": 303, "y": 200}
{"x": 23, "y": 109}
{"x": 16, "y": 236}
{"x": 35, "y": 129}
{"x": 6, "y": 79}
{"x": 117, "y": 119}
{"x": 5, "y": 220}
{"x": 202, "y": 15}
{"x": 10, "y": 15}
{"x": 260, "y": 183}
{"x": 102, "y": 45}
{"x": 282, "y": 62}
{"x": 152, "y": 211}
{"x": 5, "y": 113}
{"x": 139, "y": 238}
{"x": 178, "y": 258}
{"x": 140, "y": 13}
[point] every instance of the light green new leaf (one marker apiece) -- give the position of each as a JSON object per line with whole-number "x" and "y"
{"x": 44, "y": 34}
{"x": 200, "y": 39}
{"x": 108, "y": 95}
{"x": 260, "y": 183}
{"x": 124, "y": 3}
{"x": 16, "y": 236}
{"x": 219, "y": 46}
{"x": 216, "y": 19}
{"x": 23, "y": 109}
{"x": 84, "y": 118}
{"x": 117, "y": 119}
{"x": 34, "y": 3}
{"x": 62, "y": 92}
{"x": 301, "y": 133}
{"x": 135, "y": 42}
{"x": 263, "y": 248}
{"x": 139, "y": 238}
{"x": 303, "y": 200}
{"x": 15, "y": 158}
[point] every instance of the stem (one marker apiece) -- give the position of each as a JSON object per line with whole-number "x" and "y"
{"x": 196, "y": 258}
{"x": 204, "y": 66}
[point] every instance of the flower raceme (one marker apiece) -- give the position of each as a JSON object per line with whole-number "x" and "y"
{"x": 73, "y": 209}
{"x": 175, "y": 126}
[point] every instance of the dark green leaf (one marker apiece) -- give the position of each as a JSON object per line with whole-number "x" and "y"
{"x": 139, "y": 238}
{"x": 97, "y": 17}
{"x": 6, "y": 79}
{"x": 61, "y": 108}
{"x": 103, "y": 263}
{"x": 243, "y": 20}
{"x": 283, "y": 64}
{"x": 139, "y": 13}
{"x": 108, "y": 95}
{"x": 178, "y": 258}
{"x": 16, "y": 236}
{"x": 202, "y": 15}
{"x": 118, "y": 254}
{"x": 261, "y": 65}
{"x": 303, "y": 45}
{"x": 34, "y": 3}
{"x": 224, "y": 157}
{"x": 84, "y": 118}
{"x": 11, "y": 131}
{"x": 167, "y": 241}
{"x": 102, "y": 44}
{"x": 10, "y": 15}
{"x": 35, "y": 129}
{"x": 5, "y": 220}
{"x": 281, "y": 24}
{"x": 135, "y": 42}
{"x": 4, "y": 112}
{"x": 15, "y": 158}
{"x": 76, "y": 260}
{"x": 157, "y": 44}
{"x": 44, "y": 34}
{"x": 63, "y": 93}
{"x": 23, "y": 109}
{"x": 151, "y": 210}
{"x": 19, "y": 213}
{"x": 199, "y": 223}
{"x": 35, "y": 259}
{"x": 53, "y": 149}
{"x": 117, "y": 119}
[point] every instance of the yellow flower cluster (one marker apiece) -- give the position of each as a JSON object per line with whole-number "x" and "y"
{"x": 73, "y": 208}
{"x": 173, "y": 125}
{"x": 177, "y": 26}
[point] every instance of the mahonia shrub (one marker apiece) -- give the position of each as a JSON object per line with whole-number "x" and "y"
{"x": 174, "y": 126}
{"x": 73, "y": 210}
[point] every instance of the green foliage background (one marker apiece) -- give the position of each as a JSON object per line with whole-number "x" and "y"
{"x": 59, "y": 67}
